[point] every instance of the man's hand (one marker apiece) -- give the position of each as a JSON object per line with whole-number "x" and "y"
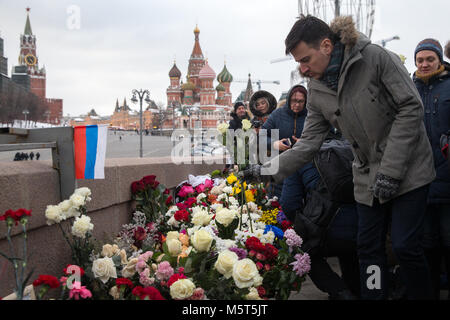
{"x": 253, "y": 173}
{"x": 385, "y": 187}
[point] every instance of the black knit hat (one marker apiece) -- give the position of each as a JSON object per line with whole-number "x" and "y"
{"x": 238, "y": 104}
{"x": 432, "y": 45}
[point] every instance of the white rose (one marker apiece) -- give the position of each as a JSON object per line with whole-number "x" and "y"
{"x": 228, "y": 190}
{"x": 130, "y": 269}
{"x": 222, "y": 197}
{"x": 84, "y": 191}
{"x": 77, "y": 200}
{"x": 223, "y": 127}
{"x": 217, "y": 207}
{"x": 182, "y": 289}
{"x": 216, "y": 190}
{"x": 172, "y": 235}
{"x": 246, "y": 124}
{"x": 81, "y": 226}
{"x": 225, "y": 262}
{"x": 174, "y": 247}
{"x": 202, "y": 240}
{"x": 110, "y": 250}
{"x": 225, "y": 216}
{"x": 123, "y": 257}
{"x": 201, "y": 218}
{"x": 53, "y": 214}
{"x": 104, "y": 269}
{"x": 253, "y": 294}
{"x": 245, "y": 274}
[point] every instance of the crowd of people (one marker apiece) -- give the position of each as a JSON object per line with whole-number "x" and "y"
{"x": 24, "y": 156}
{"x": 392, "y": 236}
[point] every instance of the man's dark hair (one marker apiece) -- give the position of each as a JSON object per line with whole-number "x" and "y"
{"x": 310, "y": 30}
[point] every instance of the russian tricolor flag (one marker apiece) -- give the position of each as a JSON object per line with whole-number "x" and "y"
{"x": 90, "y": 151}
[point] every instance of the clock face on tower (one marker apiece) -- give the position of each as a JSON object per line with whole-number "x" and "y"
{"x": 30, "y": 59}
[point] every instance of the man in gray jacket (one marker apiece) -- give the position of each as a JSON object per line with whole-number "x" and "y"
{"x": 366, "y": 93}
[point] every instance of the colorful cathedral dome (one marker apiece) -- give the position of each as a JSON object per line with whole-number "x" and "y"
{"x": 220, "y": 87}
{"x": 175, "y": 72}
{"x": 188, "y": 86}
{"x": 206, "y": 72}
{"x": 224, "y": 75}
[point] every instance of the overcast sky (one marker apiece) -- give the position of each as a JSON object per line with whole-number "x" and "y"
{"x": 123, "y": 45}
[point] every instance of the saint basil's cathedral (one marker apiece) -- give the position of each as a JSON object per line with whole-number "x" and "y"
{"x": 212, "y": 105}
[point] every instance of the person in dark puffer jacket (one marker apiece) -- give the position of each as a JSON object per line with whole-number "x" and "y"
{"x": 289, "y": 120}
{"x": 432, "y": 80}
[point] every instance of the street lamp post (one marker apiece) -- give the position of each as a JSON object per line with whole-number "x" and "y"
{"x": 26, "y": 112}
{"x": 140, "y": 94}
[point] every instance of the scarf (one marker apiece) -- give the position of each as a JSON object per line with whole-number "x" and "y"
{"x": 427, "y": 77}
{"x": 332, "y": 73}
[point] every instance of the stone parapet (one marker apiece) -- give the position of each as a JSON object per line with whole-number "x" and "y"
{"x": 34, "y": 184}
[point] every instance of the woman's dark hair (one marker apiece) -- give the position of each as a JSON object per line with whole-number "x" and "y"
{"x": 310, "y": 30}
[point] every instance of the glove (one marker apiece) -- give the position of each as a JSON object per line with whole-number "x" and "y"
{"x": 253, "y": 173}
{"x": 385, "y": 187}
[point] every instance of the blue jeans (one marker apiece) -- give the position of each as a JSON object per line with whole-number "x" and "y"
{"x": 407, "y": 213}
{"x": 295, "y": 188}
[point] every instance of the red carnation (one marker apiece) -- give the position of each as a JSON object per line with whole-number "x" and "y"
{"x": 253, "y": 243}
{"x": 15, "y": 215}
{"x": 51, "y": 281}
{"x": 182, "y": 215}
{"x": 169, "y": 200}
{"x": 174, "y": 278}
{"x": 270, "y": 251}
{"x": 74, "y": 267}
{"x": 124, "y": 282}
{"x": 275, "y": 204}
{"x": 151, "y": 293}
{"x": 261, "y": 291}
{"x": 189, "y": 202}
{"x": 286, "y": 225}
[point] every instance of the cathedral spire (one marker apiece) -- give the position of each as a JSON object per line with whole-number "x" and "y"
{"x": 197, "y": 51}
{"x": 28, "y": 24}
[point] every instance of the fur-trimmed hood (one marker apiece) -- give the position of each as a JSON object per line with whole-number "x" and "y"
{"x": 345, "y": 29}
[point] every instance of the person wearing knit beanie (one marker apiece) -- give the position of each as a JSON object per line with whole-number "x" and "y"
{"x": 430, "y": 45}
{"x": 432, "y": 80}
{"x": 429, "y": 60}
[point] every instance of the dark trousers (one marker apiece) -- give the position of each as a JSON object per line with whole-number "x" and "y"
{"x": 340, "y": 242}
{"x": 407, "y": 214}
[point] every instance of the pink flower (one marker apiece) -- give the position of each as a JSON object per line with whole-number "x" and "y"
{"x": 199, "y": 294}
{"x": 209, "y": 183}
{"x": 141, "y": 265}
{"x": 292, "y": 238}
{"x": 302, "y": 264}
{"x": 164, "y": 271}
{"x": 200, "y": 188}
{"x": 144, "y": 278}
{"x": 78, "y": 291}
{"x": 185, "y": 191}
{"x": 63, "y": 281}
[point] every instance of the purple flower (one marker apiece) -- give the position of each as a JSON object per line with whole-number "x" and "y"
{"x": 292, "y": 238}
{"x": 302, "y": 264}
{"x": 241, "y": 253}
{"x": 281, "y": 217}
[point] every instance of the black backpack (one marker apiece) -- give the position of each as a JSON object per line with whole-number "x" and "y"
{"x": 335, "y": 187}
{"x": 334, "y": 163}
